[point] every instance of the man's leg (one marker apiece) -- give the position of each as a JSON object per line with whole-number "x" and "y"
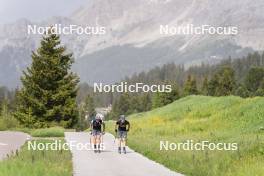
{"x": 124, "y": 141}
{"x": 98, "y": 142}
{"x": 94, "y": 141}
{"x": 124, "y": 144}
{"x": 119, "y": 142}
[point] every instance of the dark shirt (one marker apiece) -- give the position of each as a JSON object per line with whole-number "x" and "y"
{"x": 97, "y": 124}
{"x": 122, "y": 125}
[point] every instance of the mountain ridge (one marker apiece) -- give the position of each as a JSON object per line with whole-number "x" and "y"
{"x": 132, "y": 42}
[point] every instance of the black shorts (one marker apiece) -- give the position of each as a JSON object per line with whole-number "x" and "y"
{"x": 96, "y": 132}
{"x": 122, "y": 134}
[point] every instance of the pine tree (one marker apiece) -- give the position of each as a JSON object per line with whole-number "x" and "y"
{"x": 48, "y": 95}
{"x": 212, "y": 85}
{"x": 145, "y": 100}
{"x": 254, "y": 78}
{"x": 122, "y": 105}
{"x": 226, "y": 81}
{"x": 89, "y": 107}
{"x": 260, "y": 91}
{"x": 223, "y": 82}
{"x": 242, "y": 91}
{"x": 205, "y": 86}
{"x": 164, "y": 98}
{"x": 190, "y": 87}
{"x": 86, "y": 113}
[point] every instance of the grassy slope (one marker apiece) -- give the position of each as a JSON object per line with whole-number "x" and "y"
{"x": 198, "y": 118}
{"x": 37, "y": 163}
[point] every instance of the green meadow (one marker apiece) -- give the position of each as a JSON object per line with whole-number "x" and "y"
{"x": 200, "y": 118}
{"x": 35, "y": 163}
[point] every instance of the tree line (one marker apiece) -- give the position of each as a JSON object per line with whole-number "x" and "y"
{"x": 242, "y": 77}
{"x": 51, "y": 94}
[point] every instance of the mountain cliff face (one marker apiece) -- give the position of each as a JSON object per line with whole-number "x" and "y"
{"x": 133, "y": 42}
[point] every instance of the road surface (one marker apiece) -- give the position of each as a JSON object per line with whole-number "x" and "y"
{"x": 109, "y": 162}
{"x": 11, "y": 141}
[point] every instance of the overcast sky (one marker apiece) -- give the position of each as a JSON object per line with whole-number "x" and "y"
{"x": 35, "y": 10}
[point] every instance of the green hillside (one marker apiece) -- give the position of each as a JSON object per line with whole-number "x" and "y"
{"x": 199, "y": 118}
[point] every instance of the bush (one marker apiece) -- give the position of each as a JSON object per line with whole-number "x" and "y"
{"x": 8, "y": 122}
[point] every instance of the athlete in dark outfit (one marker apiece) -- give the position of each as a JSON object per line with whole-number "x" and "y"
{"x": 97, "y": 130}
{"x": 121, "y": 128}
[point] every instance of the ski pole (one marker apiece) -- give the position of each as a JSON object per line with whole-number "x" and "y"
{"x": 91, "y": 145}
{"x": 102, "y": 139}
{"x": 115, "y": 137}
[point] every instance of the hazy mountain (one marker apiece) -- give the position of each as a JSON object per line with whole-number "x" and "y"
{"x": 133, "y": 41}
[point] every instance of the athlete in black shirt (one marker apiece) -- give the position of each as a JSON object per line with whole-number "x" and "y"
{"x": 122, "y": 127}
{"x": 97, "y": 130}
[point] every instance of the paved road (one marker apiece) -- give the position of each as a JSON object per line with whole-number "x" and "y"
{"x": 11, "y": 141}
{"x": 109, "y": 162}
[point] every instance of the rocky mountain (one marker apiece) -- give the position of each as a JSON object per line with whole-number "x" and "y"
{"x": 133, "y": 42}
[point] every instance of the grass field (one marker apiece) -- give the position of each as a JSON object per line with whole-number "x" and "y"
{"x": 200, "y": 118}
{"x": 37, "y": 163}
{"x": 48, "y": 132}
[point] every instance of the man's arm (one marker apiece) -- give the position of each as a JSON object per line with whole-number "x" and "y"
{"x": 91, "y": 125}
{"x": 116, "y": 126}
{"x": 128, "y": 126}
{"x": 103, "y": 126}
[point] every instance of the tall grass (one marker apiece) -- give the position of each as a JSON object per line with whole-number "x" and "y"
{"x": 199, "y": 118}
{"x": 37, "y": 163}
{"x": 7, "y": 121}
{"x": 48, "y": 132}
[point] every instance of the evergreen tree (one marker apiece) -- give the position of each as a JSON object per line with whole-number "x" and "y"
{"x": 223, "y": 82}
{"x": 254, "y": 78}
{"x": 145, "y": 100}
{"x": 242, "y": 92}
{"x": 212, "y": 85}
{"x": 120, "y": 106}
{"x": 260, "y": 91}
{"x": 4, "y": 108}
{"x": 164, "y": 98}
{"x": 205, "y": 86}
{"x": 89, "y": 107}
{"x": 226, "y": 81}
{"x": 86, "y": 113}
{"x": 124, "y": 103}
{"x": 49, "y": 88}
{"x": 190, "y": 87}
